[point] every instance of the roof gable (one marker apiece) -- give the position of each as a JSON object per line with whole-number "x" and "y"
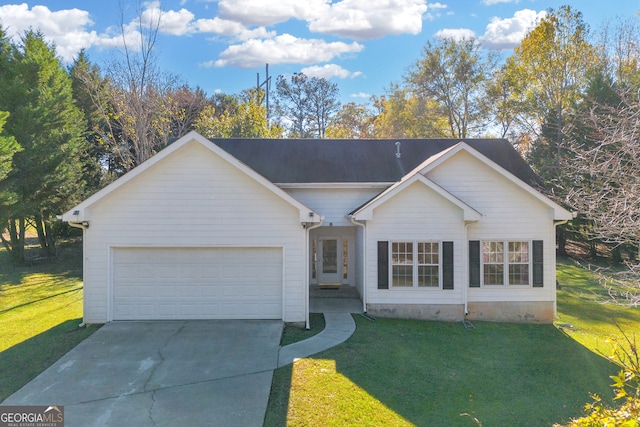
{"x": 438, "y": 160}
{"x": 365, "y": 212}
{"x": 77, "y": 213}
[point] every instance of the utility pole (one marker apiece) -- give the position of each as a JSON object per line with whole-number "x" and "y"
{"x": 267, "y": 84}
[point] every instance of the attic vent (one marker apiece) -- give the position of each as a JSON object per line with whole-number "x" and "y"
{"x": 398, "y": 154}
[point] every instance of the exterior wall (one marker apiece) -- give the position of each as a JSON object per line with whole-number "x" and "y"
{"x": 192, "y": 198}
{"x": 440, "y": 312}
{"x": 512, "y": 311}
{"x": 334, "y": 203}
{"x": 415, "y": 214}
{"x": 509, "y": 213}
{"x": 359, "y": 260}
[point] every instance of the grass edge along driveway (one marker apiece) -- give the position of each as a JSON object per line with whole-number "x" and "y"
{"x": 40, "y": 310}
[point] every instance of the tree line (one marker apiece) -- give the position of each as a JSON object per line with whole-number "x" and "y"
{"x": 566, "y": 98}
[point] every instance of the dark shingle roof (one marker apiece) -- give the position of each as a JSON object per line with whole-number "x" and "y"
{"x": 357, "y": 160}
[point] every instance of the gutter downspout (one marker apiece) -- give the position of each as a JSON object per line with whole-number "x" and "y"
{"x": 364, "y": 262}
{"x": 307, "y": 272}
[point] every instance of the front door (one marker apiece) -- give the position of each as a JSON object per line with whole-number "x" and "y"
{"x": 330, "y": 261}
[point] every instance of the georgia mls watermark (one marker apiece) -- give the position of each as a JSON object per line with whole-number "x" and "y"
{"x": 31, "y": 416}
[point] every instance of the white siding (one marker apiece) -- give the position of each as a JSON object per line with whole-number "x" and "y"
{"x": 415, "y": 214}
{"x": 359, "y": 261}
{"x": 192, "y": 198}
{"x": 334, "y": 203}
{"x": 509, "y": 213}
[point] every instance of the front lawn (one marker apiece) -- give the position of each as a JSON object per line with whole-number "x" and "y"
{"x": 391, "y": 372}
{"x": 40, "y": 310}
{"x": 404, "y": 372}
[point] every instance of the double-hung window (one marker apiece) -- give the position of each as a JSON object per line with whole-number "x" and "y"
{"x": 506, "y": 263}
{"x": 415, "y": 264}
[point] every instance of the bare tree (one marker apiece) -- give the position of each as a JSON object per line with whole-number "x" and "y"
{"x": 603, "y": 180}
{"x": 145, "y": 107}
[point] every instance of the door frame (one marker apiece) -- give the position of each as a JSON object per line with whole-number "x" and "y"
{"x": 342, "y": 235}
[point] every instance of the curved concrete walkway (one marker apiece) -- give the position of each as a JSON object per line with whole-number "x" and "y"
{"x": 339, "y": 326}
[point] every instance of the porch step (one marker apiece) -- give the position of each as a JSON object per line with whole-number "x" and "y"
{"x": 343, "y": 291}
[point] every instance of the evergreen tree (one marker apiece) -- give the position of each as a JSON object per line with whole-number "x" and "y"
{"x": 46, "y": 175}
{"x": 91, "y": 95}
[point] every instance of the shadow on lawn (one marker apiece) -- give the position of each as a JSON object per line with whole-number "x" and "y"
{"x": 24, "y": 361}
{"x": 429, "y": 373}
{"x": 68, "y": 264}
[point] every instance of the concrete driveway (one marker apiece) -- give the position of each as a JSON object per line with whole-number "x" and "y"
{"x": 183, "y": 373}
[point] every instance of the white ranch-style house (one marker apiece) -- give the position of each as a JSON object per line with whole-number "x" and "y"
{"x": 241, "y": 228}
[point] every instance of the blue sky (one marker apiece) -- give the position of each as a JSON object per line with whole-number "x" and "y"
{"x": 220, "y": 45}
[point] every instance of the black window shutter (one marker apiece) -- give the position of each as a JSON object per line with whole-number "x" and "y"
{"x": 447, "y": 265}
{"x": 474, "y": 263}
{"x": 538, "y": 267}
{"x": 383, "y": 265}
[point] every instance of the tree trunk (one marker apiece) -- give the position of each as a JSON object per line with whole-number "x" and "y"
{"x": 16, "y": 238}
{"x": 561, "y": 239}
{"x": 45, "y": 236}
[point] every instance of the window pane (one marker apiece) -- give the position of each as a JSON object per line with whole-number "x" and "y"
{"x": 518, "y": 263}
{"x": 428, "y": 276}
{"x": 402, "y": 275}
{"x": 493, "y": 252}
{"x": 519, "y": 274}
{"x": 402, "y": 253}
{"x": 345, "y": 259}
{"x": 493, "y": 263}
{"x": 314, "y": 258}
{"x": 402, "y": 264}
{"x": 329, "y": 256}
{"x": 494, "y": 274}
{"x": 518, "y": 251}
{"x": 428, "y": 253}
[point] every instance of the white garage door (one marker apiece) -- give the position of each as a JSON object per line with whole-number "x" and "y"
{"x": 197, "y": 283}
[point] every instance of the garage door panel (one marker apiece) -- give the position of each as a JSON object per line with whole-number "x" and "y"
{"x": 197, "y": 283}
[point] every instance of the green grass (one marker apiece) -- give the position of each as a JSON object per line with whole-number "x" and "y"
{"x": 391, "y": 372}
{"x": 40, "y": 310}
{"x": 294, "y": 333}
{"x": 408, "y": 372}
{"x": 583, "y": 303}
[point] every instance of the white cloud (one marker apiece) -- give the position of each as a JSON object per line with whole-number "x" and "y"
{"x": 509, "y": 32}
{"x": 171, "y": 22}
{"x": 360, "y": 95}
{"x": 228, "y": 28}
{"x": 256, "y": 12}
{"x": 220, "y": 26}
{"x": 65, "y": 28}
{"x": 438, "y": 8}
{"x": 492, "y": 2}
{"x": 328, "y": 71}
{"x": 282, "y": 49}
{"x": 68, "y": 28}
{"x": 455, "y": 33}
{"x": 369, "y": 19}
